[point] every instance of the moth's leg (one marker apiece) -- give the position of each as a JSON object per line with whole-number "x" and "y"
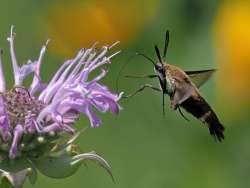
{"x": 141, "y": 89}
{"x": 174, "y": 100}
{"x": 182, "y": 114}
{"x": 175, "y": 104}
{"x": 142, "y": 76}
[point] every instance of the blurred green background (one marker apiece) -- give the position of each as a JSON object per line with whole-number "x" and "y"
{"x": 144, "y": 148}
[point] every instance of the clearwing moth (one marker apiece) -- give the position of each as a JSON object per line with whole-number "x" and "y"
{"x": 182, "y": 88}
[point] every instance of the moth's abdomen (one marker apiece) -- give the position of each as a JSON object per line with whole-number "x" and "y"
{"x": 199, "y": 108}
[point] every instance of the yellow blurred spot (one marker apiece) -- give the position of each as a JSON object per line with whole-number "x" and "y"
{"x": 80, "y": 24}
{"x": 232, "y": 38}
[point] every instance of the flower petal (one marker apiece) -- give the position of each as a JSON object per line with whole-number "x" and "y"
{"x": 111, "y": 103}
{"x": 18, "y": 132}
{"x": 36, "y": 83}
{"x": 2, "y": 78}
{"x": 4, "y": 124}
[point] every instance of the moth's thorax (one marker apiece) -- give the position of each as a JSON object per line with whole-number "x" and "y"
{"x": 166, "y": 79}
{"x": 19, "y": 104}
{"x": 170, "y": 83}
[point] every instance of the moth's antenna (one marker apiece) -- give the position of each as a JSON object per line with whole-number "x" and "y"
{"x": 158, "y": 54}
{"x": 126, "y": 63}
{"x": 166, "y": 44}
{"x": 120, "y": 71}
{"x": 148, "y": 58}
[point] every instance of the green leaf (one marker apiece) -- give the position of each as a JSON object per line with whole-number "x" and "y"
{"x": 14, "y": 165}
{"x": 66, "y": 165}
{"x": 56, "y": 167}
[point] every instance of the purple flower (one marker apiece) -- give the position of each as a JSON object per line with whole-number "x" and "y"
{"x": 53, "y": 107}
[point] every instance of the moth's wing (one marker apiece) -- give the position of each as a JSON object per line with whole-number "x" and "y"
{"x": 200, "y": 77}
{"x": 183, "y": 89}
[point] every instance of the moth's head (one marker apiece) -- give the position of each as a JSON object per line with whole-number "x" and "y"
{"x": 159, "y": 67}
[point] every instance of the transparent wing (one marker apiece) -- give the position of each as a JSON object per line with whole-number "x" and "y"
{"x": 200, "y": 77}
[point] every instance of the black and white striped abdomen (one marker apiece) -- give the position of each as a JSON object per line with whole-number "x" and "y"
{"x": 198, "y": 107}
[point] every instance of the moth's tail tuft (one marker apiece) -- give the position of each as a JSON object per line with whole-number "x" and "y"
{"x": 216, "y": 129}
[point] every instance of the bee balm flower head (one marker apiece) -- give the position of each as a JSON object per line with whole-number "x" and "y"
{"x": 33, "y": 116}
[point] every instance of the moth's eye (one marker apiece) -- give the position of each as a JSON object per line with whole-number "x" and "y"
{"x": 160, "y": 69}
